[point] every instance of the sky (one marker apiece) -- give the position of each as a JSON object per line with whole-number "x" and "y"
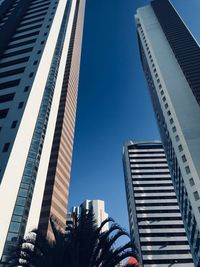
{"x": 114, "y": 105}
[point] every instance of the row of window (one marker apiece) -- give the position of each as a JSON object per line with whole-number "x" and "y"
{"x": 180, "y": 147}
{"x": 5, "y": 85}
{"x": 171, "y": 121}
{"x": 8, "y": 12}
{"x": 185, "y": 206}
{"x": 30, "y": 171}
{"x": 24, "y": 38}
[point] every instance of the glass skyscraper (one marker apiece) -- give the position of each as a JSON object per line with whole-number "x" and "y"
{"x": 40, "y": 51}
{"x": 170, "y": 57}
{"x": 155, "y": 221}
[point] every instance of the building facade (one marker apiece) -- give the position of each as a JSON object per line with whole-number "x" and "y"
{"x": 170, "y": 57}
{"x": 40, "y": 52}
{"x": 98, "y": 207}
{"x": 155, "y": 220}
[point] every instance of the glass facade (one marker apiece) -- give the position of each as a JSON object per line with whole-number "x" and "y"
{"x": 177, "y": 178}
{"x": 185, "y": 47}
{"x": 24, "y": 197}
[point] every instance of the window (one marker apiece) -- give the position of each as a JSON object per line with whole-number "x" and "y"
{"x": 162, "y": 92}
{"x": 21, "y": 201}
{"x": 14, "y": 62}
{"x": 18, "y": 210}
{"x": 6, "y": 147}
{"x": 23, "y": 192}
{"x": 166, "y": 105}
{"x": 196, "y": 195}
{"x": 160, "y": 86}
{"x": 7, "y": 97}
{"x": 11, "y": 72}
{"x": 14, "y": 227}
{"x": 184, "y": 158}
{"x": 180, "y": 148}
{"x": 9, "y": 84}
{"x": 174, "y": 129}
{"x": 20, "y": 105}
{"x": 35, "y": 62}
{"x": 177, "y": 138}
{"x": 12, "y": 237}
{"x": 171, "y": 121}
{"x": 16, "y": 218}
{"x": 18, "y": 52}
{"x": 14, "y": 124}
{"x": 168, "y": 112}
{"x": 31, "y": 74}
{"x": 39, "y": 52}
{"x": 191, "y": 180}
{"x": 26, "y": 89}
{"x": 187, "y": 169}
{"x": 164, "y": 98}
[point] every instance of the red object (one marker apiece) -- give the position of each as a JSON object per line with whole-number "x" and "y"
{"x": 133, "y": 261}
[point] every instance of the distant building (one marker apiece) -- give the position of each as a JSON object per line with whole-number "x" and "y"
{"x": 98, "y": 208}
{"x": 155, "y": 221}
{"x": 170, "y": 58}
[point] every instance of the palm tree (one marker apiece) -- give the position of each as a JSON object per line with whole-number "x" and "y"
{"x": 83, "y": 244}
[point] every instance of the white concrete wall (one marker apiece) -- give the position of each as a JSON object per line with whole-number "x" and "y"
{"x": 183, "y": 106}
{"x": 15, "y": 166}
{"x": 36, "y": 203}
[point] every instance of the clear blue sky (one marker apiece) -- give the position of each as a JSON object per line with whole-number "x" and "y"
{"x": 113, "y": 104}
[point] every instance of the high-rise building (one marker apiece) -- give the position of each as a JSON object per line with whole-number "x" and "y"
{"x": 40, "y": 52}
{"x": 98, "y": 207}
{"x": 170, "y": 57}
{"x": 156, "y": 225}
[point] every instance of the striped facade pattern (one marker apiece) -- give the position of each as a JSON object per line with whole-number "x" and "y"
{"x": 55, "y": 198}
{"x": 175, "y": 102}
{"x": 185, "y": 47}
{"x": 33, "y": 35}
{"x": 24, "y": 27}
{"x": 154, "y": 215}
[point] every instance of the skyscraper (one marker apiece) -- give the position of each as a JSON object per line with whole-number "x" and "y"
{"x": 39, "y": 71}
{"x": 98, "y": 207}
{"x": 155, "y": 220}
{"x": 170, "y": 57}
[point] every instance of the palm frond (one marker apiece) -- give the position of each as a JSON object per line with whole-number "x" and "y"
{"x": 82, "y": 244}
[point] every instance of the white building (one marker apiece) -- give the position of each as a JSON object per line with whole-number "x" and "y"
{"x": 155, "y": 221}
{"x": 98, "y": 207}
{"x": 39, "y": 72}
{"x": 170, "y": 57}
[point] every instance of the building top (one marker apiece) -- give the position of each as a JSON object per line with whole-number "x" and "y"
{"x": 98, "y": 208}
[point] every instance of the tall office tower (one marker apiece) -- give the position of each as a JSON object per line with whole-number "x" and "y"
{"x": 39, "y": 70}
{"x": 98, "y": 207}
{"x": 170, "y": 57}
{"x": 155, "y": 220}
